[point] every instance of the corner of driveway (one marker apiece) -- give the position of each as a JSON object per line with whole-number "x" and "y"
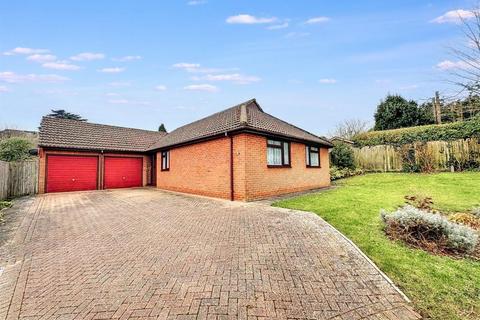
{"x": 145, "y": 253}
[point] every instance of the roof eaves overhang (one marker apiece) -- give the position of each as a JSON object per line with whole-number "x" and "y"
{"x": 242, "y": 129}
{"x": 88, "y": 149}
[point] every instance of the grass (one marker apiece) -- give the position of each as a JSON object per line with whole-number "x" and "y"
{"x": 440, "y": 287}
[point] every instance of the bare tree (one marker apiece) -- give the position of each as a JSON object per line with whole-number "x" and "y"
{"x": 349, "y": 128}
{"x": 466, "y": 70}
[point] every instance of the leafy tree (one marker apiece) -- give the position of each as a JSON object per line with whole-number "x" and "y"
{"x": 341, "y": 156}
{"x": 62, "y": 114}
{"x": 15, "y": 149}
{"x": 426, "y": 115}
{"x": 397, "y": 112}
{"x": 162, "y": 128}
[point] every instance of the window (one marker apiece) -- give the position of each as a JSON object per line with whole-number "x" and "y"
{"x": 165, "y": 160}
{"x": 312, "y": 155}
{"x": 278, "y": 153}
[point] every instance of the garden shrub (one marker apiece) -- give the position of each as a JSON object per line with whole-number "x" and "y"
{"x": 15, "y": 149}
{"x": 417, "y": 158}
{"x": 342, "y": 156}
{"x": 467, "y": 219}
{"x": 339, "y": 173}
{"x": 420, "y": 202}
{"x": 441, "y": 132}
{"x": 430, "y": 231}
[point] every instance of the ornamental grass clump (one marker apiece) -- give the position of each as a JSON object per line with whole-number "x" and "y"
{"x": 429, "y": 231}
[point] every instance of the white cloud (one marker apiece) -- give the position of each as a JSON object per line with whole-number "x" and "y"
{"x": 12, "y": 77}
{"x": 233, "y": 77}
{"x": 111, "y": 70}
{"x": 448, "y": 65}
{"x": 297, "y": 34}
{"x": 249, "y": 19}
{"x": 130, "y": 102}
{"x": 160, "y": 87}
{"x": 127, "y": 58}
{"x": 186, "y": 66}
{"x": 278, "y": 26}
{"x": 327, "y": 81}
{"x": 454, "y": 16}
{"x": 201, "y": 87}
{"x": 42, "y": 58}
{"x": 28, "y": 51}
{"x": 88, "y": 56}
{"x": 120, "y": 84}
{"x": 195, "y": 68}
{"x": 317, "y": 20}
{"x": 196, "y": 2}
{"x": 61, "y": 65}
{"x": 112, "y": 94}
{"x": 4, "y": 89}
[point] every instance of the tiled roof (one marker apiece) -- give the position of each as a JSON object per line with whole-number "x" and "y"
{"x": 65, "y": 133}
{"x": 247, "y": 115}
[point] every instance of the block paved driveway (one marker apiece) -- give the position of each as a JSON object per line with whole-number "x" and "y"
{"x": 144, "y": 253}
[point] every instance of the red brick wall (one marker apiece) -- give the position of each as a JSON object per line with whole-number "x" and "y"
{"x": 42, "y": 154}
{"x": 262, "y": 181}
{"x": 202, "y": 168}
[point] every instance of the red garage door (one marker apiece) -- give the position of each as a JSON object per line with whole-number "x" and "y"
{"x": 71, "y": 173}
{"x": 123, "y": 172}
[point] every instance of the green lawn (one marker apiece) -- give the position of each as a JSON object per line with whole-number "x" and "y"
{"x": 440, "y": 287}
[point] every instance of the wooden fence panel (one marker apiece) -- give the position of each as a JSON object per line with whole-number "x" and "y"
{"x": 18, "y": 178}
{"x": 3, "y": 180}
{"x": 23, "y": 178}
{"x": 441, "y": 154}
{"x": 382, "y": 158}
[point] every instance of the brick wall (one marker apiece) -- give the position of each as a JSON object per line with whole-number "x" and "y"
{"x": 202, "y": 168}
{"x": 262, "y": 181}
{"x": 42, "y": 154}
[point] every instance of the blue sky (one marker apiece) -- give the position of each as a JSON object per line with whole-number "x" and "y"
{"x": 141, "y": 63}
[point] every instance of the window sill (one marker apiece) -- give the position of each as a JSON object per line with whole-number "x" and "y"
{"x": 164, "y": 169}
{"x": 314, "y": 167}
{"x": 278, "y": 166}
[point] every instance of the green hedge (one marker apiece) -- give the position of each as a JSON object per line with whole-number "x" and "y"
{"x": 440, "y": 132}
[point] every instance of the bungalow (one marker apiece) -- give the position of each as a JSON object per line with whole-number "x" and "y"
{"x": 241, "y": 153}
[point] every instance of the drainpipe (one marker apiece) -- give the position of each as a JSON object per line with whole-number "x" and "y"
{"x": 232, "y": 191}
